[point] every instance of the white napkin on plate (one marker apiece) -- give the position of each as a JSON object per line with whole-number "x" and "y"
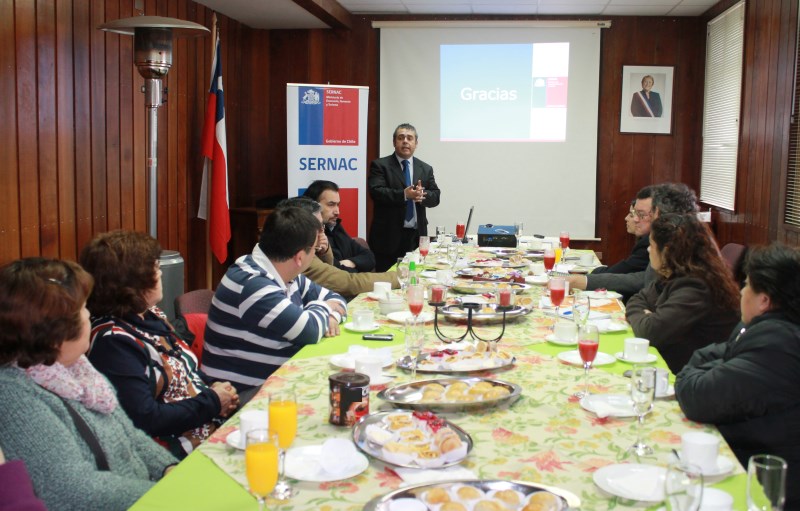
{"x": 338, "y": 456}
{"x": 605, "y": 409}
{"x": 417, "y": 475}
{"x": 607, "y": 325}
{"x": 642, "y": 484}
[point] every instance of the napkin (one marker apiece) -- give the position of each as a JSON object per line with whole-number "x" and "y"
{"x": 643, "y": 484}
{"x": 338, "y": 456}
{"x": 417, "y": 475}
{"x": 607, "y": 325}
{"x": 605, "y": 409}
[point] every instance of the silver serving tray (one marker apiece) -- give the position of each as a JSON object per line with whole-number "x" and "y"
{"x": 568, "y": 500}
{"x": 405, "y": 364}
{"x": 504, "y": 253}
{"x": 455, "y": 313}
{"x": 407, "y": 395}
{"x": 360, "y": 439}
{"x": 502, "y": 263}
{"x": 485, "y": 286}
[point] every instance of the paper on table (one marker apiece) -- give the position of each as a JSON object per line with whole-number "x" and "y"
{"x": 418, "y": 475}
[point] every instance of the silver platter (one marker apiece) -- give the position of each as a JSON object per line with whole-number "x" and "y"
{"x": 568, "y": 499}
{"x": 405, "y": 364}
{"x": 508, "y": 252}
{"x": 485, "y": 286}
{"x": 455, "y": 313}
{"x": 408, "y": 395}
{"x": 502, "y": 263}
{"x": 360, "y": 439}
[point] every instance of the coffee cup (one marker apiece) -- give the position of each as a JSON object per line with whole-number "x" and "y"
{"x": 701, "y": 449}
{"x": 565, "y": 331}
{"x": 537, "y": 268}
{"x": 636, "y": 349}
{"x": 662, "y": 381}
{"x": 587, "y": 259}
{"x": 369, "y": 364}
{"x": 382, "y": 288}
{"x": 391, "y": 303}
{"x": 535, "y": 244}
{"x": 363, "y": 319}
{"x": 250, "y": 420}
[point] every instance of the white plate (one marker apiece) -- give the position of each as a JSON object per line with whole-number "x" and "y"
{"x": 607, "y": 294}
{"x": 352, "y": 327}
{"x": 574, "y": 358}
{"x": 607, "y": 325}
{"x": 609, "y": 405}
{"x": 233, "y": 440}
{"x": 400, "y": 316}
{"x": 536, "y": 280}
{"x": 555, "y": 340}
{"x": 302, "y": 463}
{"x": 379, "y": 296}
{"x": 347, "y": 361}
{"x": 380, "y": 380}
{"x": 724, "y": 466}
{"x": 632, "y": 481}
{"x": 649, "y": 359}
{"x": 669, "y": 393}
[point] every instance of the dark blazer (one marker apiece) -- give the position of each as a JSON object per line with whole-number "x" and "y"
{"x": 637, "y": 261}
{"x": 386, "y": 183}
{"x": 638, "y": 108}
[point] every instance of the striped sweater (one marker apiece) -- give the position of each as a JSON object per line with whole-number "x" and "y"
{"x": 256, "y": 322}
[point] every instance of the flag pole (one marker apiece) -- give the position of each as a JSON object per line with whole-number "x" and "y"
{"x": 209, "y": 257}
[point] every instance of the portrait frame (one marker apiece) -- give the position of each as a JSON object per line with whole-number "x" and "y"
{"x": 643, "y": 113}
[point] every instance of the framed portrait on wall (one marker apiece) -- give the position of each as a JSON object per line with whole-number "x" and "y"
{"x": 646, "y": 99}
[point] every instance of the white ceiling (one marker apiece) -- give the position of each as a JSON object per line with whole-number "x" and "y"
{"x": 286, "y": 14}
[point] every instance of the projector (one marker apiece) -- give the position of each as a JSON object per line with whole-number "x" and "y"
{"x": 490, "y": 235}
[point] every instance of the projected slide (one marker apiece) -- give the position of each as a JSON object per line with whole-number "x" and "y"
{"x": 504, "y": 92}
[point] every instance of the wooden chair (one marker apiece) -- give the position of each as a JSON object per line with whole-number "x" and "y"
{"x": 193, "y": 307}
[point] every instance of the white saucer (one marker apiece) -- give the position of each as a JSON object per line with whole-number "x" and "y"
{"x": 608, "y": 405}
{"x": 536, "y": 280}
{"x": 378, "y": 296}
{"x": 233, "y": 440}
{"x": 632, "y": 481}
{"x": 381, "y": 380}
{"x": 649, "y": 359}
{"x": 400, "y": 317}
{"x": 669, "y": 393}
{"x": 347, "y": 361}
{"x": 574, "y": 358}
{"x": 724, "y": 466}
{"x": 607, "y": 294}
{"x": 352, "y": 327}
{"x": 555, "y": 340}
{"x": 608, "y": 325}
{"x": 302, "y": 463}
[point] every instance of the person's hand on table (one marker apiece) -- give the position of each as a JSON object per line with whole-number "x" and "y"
{"x": 228, "y": 397}
{"x": 333, "y": 327}
{"x": 576, "y": 281}
{"x": 336, "y": 306}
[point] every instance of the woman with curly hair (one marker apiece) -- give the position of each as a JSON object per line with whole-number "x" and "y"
{"x": 694, "y": 301}
{"x": 156, "y": 375}
{"x": 59, "y": 415}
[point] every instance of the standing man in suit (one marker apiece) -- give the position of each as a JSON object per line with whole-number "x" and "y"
{"x": 401, "y": 187}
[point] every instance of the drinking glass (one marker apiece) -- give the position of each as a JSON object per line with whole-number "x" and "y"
{"x": 683, "y": 487}
{"x": 557, "y": 286}
{"x": 461, "y": 230}
{"x": 549, "y": 259}
{"x": 283, "y": 422}
{"x": 564, "y": 239}
{"x": 581, "y": 305}
{"x": 558, "y": 251}
{"x": 424, "y": 247}
{"x": 588, "y": 343}
{"x": 518, "y": 227}
{"x": 415, "y": 294}
{"x": 643, "y": 390}
{"x": 261, "y": 463}
{"x": 415, "y": 339}
{"x": 402, "y": 273}
{"x": 440, "y": 234}
{"x": 766, "y": 483}
{"x": 452, "y": 254}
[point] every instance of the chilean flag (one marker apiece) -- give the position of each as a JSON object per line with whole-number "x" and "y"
{"x": 216, "y": 150}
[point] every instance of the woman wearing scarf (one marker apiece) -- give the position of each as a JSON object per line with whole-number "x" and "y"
{"x": 157, "y": 377}
{"x": 59, "y": 415}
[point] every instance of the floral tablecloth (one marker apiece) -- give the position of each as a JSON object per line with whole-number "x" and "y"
{"x": 545, "y": 436}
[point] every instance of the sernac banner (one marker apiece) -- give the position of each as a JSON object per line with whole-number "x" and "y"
{"x": 326, "y": 132}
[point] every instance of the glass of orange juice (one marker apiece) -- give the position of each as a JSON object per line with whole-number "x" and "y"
{"x": 283, "y": 421}
{"x": 261, "y": 463}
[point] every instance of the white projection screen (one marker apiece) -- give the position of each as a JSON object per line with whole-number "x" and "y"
{"x": 506, "y": 115}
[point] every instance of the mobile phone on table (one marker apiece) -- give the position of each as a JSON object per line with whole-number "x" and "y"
{"x": 377, "y": 337}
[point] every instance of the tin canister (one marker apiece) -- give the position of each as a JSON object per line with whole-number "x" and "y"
{"x": 349, "y": 398}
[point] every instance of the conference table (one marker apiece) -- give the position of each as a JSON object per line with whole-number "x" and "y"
{"x": 543, "y": 437}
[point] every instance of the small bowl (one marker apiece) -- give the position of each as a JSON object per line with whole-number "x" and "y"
{"x": 391, "y": 305}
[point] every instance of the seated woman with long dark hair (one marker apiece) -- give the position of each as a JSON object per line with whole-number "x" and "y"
{"x": 59, "y": 415}
{"x": 694, "y": 301}
{"x": 749, "y": 387}
{"x": 156, "y": 375}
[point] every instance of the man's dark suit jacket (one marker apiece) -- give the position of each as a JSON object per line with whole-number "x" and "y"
{"x": 386, "y": 183}
{"x": 636, "y": 262}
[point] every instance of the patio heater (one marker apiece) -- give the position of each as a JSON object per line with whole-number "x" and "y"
{"x": 152, "y": 54}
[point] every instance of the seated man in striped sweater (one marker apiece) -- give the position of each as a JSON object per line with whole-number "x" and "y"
{"x": 265, "y": 309}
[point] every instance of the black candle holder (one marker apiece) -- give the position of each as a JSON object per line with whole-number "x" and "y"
{"x": 470, "y": 308}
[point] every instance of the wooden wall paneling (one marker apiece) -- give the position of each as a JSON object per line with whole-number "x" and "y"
{"x": 96, "y": 82}
{"x": 9, "y": 169}
{"x": 112, "y": 104}
{"x": 127, "y": 70}
{"x": 169, "y": 111}
{"x": 183, "y": 132}
{"x": 82, "y": 104}
{"x": 46, "y": 127}
{"x": 28, "y": 162}
{"x": 139, "y": 160}
{"x": 65, "y": 142}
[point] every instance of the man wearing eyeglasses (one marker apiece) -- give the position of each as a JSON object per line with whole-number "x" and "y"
{"x": 664, "y": 198}
{"x": 638, "y": 223}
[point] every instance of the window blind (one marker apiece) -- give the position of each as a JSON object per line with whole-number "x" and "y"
{"x": 792, "y": 211}
{"x": 722, "y": 99}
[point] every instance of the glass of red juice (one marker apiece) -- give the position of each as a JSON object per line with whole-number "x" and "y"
{"x": 549, "y": 259}
{"x": 564, "y": 239}
{"x": 588, "y": 343}
{"x": 558, "y": 288}
{"x": 461, "y": 230}
{"x": 415, "y": 295}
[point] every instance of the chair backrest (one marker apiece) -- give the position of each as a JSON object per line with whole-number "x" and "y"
{"x": 193, "y": 307}
{"x": 733, "y": 255}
